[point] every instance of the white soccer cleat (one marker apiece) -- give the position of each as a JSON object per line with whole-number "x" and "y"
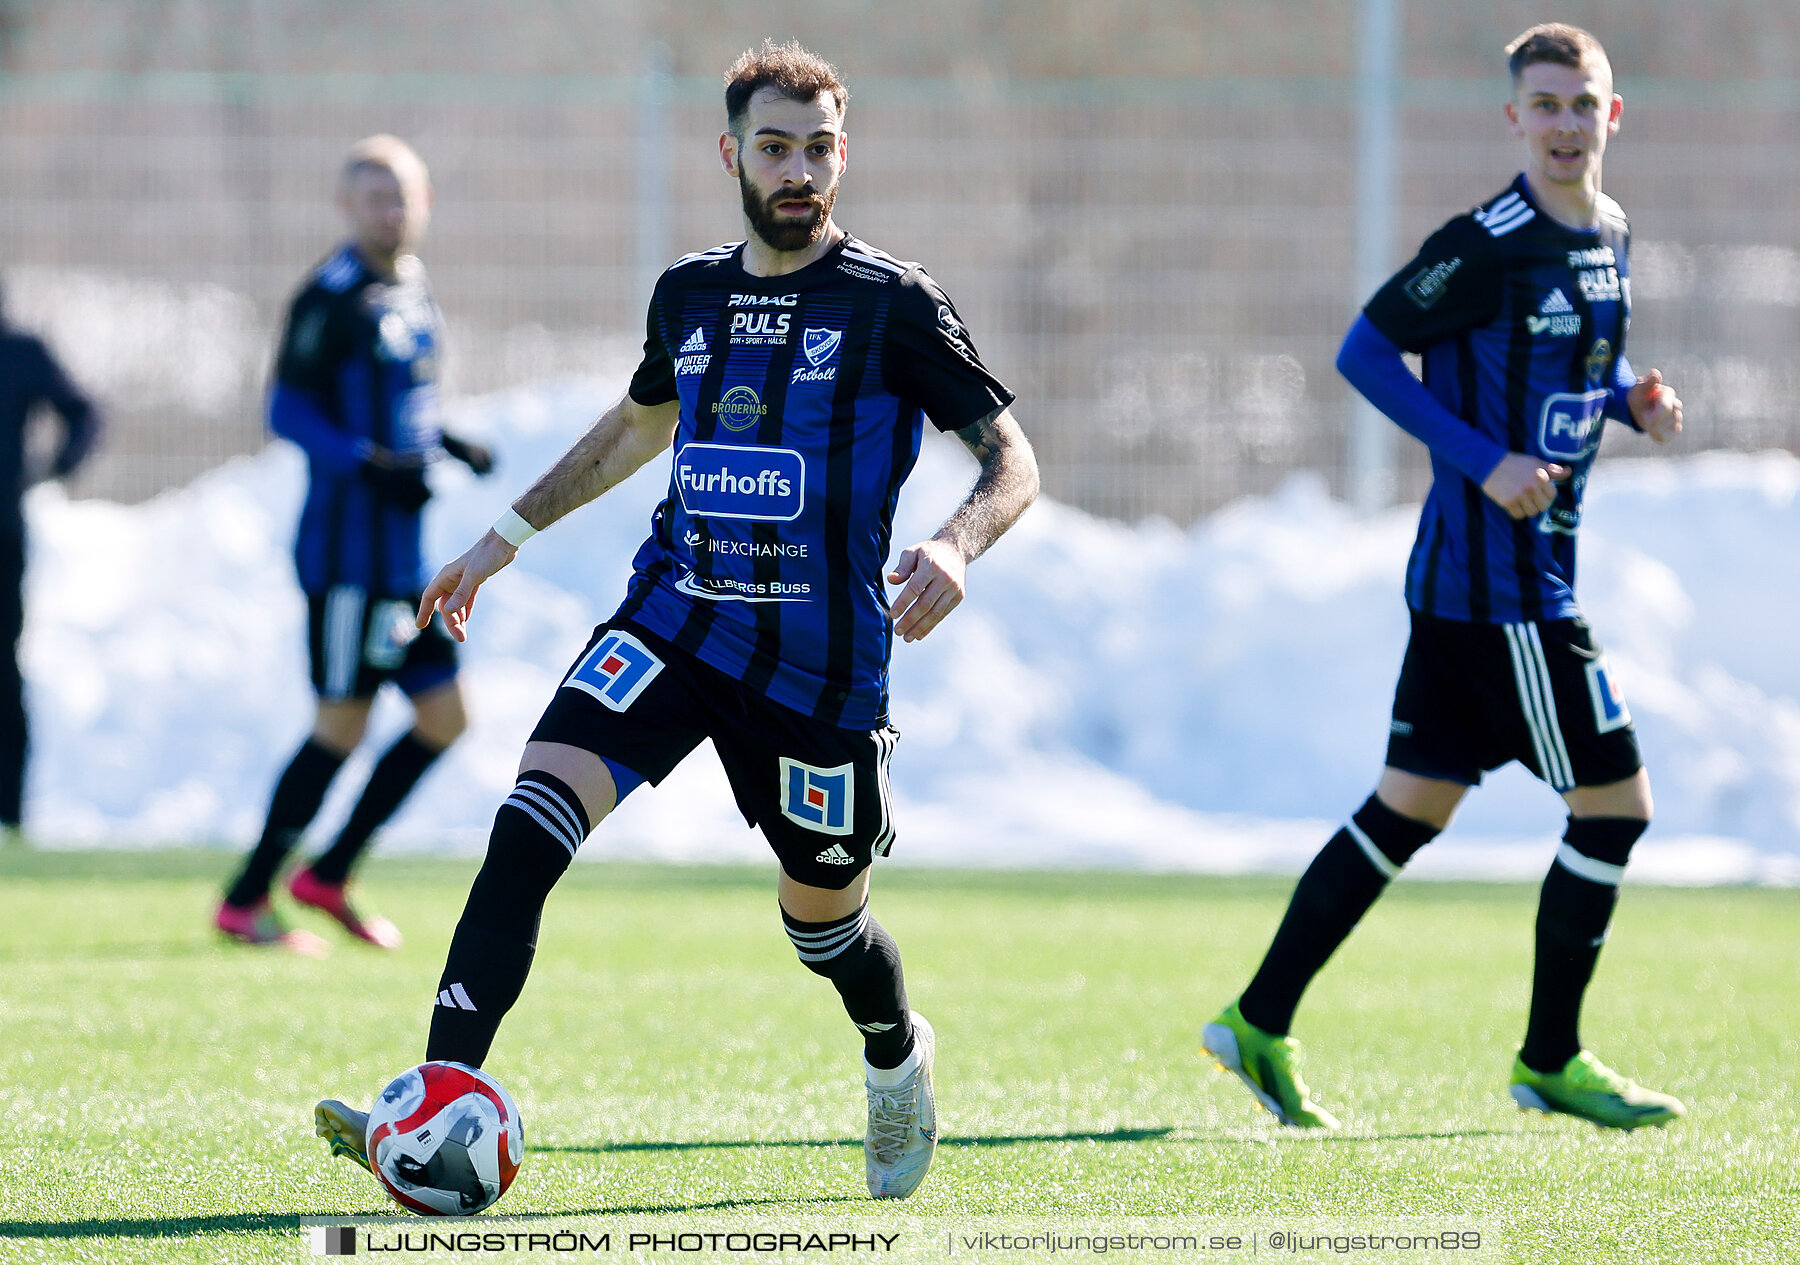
{"x": 902, "y": 1136}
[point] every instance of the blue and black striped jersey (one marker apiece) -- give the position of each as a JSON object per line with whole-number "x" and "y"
{"x": 1519, "y": 321}
{"x": 357, "y": 370}
{"x": 801, "y": 405}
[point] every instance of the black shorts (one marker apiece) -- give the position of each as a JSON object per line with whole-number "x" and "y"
{"x": 1473, "y": 696}
{"x": 358, "y": 641}
{"x": 819, "y": 793}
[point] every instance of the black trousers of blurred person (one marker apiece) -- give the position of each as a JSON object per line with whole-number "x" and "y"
{"x": 12, "y": 684}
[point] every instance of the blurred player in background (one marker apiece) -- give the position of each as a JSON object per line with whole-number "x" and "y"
{"x": 791, "y": 371}
{"x": 356, "y": 387}
{"x": 1519, "y": 310}
{"x": 29, "y": 377}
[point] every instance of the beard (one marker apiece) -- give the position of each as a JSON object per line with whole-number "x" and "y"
{"x": 782, "y": 232}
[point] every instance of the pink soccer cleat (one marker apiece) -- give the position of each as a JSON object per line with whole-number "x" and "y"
{"x": 330, "y": 898}
{"x": 258, "y": 925}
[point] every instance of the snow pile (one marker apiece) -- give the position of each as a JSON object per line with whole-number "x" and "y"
{"x": 1146, "y": 697}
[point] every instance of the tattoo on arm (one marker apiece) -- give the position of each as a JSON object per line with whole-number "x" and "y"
{"x": 1007, "y": 484}
{"x": 981, "y": 436}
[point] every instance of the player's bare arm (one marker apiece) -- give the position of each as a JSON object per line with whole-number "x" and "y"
{"x": 932, "y": 571}
{"x": 1523, "y": 485}
{"x": 625, "y": 437}
{"x": 1655, "y": 407}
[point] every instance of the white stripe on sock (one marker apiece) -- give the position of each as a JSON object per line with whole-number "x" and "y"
{"x": 1377, "y": 857}
{"x": 1583, "y": 866}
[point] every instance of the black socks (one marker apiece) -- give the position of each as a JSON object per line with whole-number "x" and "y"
{"x": 298, "y": 794}
{"x": 535, "y": 836}
{"x": 860, "y": 958}
{"x": 1337, "y": 889}
{"x": 1574, "y": 911}
{"x": 395, "y": 775}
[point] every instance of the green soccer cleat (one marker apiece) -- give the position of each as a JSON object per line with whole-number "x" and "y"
{"x": 345, "y": 1128}
{"x": 1590, "y": 1090}
{"x": 1268, "y": 1065}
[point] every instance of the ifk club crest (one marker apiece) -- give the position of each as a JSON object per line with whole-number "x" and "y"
{"x": 820, "y": 345}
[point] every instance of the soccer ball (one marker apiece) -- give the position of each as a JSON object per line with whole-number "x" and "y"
{"x": 445, "y": 1139}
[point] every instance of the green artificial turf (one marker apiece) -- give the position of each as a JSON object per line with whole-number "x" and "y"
{"x": 676, "y": 1067}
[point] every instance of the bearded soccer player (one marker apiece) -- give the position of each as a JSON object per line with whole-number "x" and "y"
{"x": 791, "y": 371}
{"x": 1519, "y": 310}
{"x": 356, "y": 388}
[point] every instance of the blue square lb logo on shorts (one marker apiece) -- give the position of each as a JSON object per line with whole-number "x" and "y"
{"x": 616, "y": 671}
{"x": 1610, "y": 712}
{"x": 819, "y": 799}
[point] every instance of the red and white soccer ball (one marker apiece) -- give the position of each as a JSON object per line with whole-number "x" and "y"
{"x": 445, "y": 1140}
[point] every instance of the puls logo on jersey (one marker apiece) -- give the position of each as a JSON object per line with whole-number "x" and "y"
{"x": 1556, "y": 316}
{"x": 761, "y": 328}
{"x": 616, "y": 671}
{"x": 1569, "y": 424}
{"x": 821, "y": 800}
{"x": 741, "y": 481}
{"x": 820, "y": 347}
{"x": 693, "y": 357}
{"x": 1599, "y": 285}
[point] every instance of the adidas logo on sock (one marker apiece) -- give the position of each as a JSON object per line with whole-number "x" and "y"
{"x": 456, "y": 997}
{"x": 835, "y": 855}
{"x": 1556, "y": 302}
{"x": 877, "y": 1027}
{"x": 696, "y": 342}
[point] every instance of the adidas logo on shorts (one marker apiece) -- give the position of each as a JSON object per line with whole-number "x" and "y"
{"x": 835, "y": 855}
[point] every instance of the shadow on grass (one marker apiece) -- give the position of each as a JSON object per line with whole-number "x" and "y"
{"x": 1298, "y": 1137}
{"x": 1015, "y": 1139}
{"x": 716, "y": 1205}
{"x": 150, "y": 1227}
{"x": 266, "y": 1222}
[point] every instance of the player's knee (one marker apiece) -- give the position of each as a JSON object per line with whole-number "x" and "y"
{"x": 1597, "y": 848}
{"x": 1394, "y": 836}
{"x": 827, "y": 947}
{"x": 340, "y": 726}
{"x": 439, "y": 717}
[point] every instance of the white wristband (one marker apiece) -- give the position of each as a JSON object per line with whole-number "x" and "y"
{"x": 513, "y": 529}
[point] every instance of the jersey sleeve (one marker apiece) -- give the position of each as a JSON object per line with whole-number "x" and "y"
{"x": 1452, "y": 284}
{"x": 313, "y": 344}
{"x": 654, "y": 381}
{"x": 930, "y": 360}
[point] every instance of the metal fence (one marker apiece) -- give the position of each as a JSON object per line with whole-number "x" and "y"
{"x": 1159, "y": 261}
